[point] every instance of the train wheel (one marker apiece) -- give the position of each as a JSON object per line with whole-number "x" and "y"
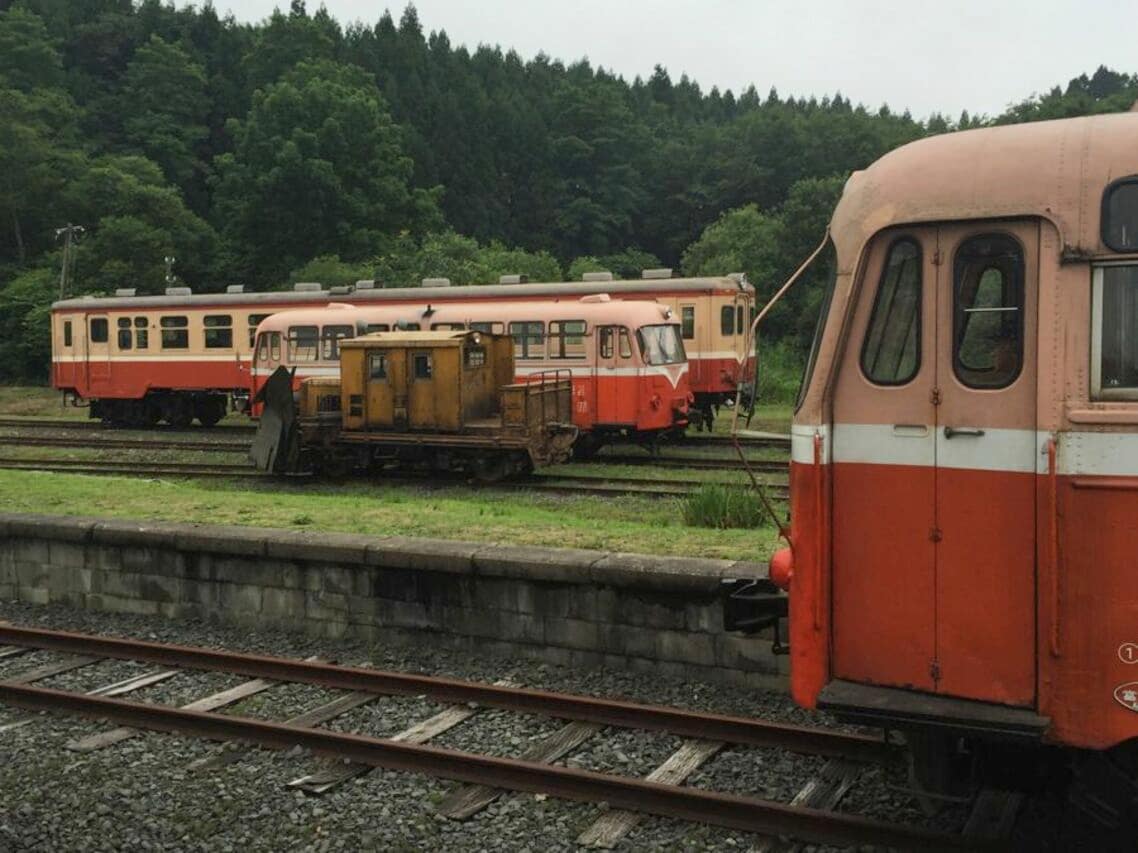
{"x": 141, "y": 414}
{"x": 209, "y": 411}
{"x": 179, "y": 413}
{"x": 586, "y": 447}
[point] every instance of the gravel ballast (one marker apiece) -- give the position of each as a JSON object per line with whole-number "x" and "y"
{"x": 145, "y": 793}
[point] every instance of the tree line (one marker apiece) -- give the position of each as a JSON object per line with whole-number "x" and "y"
{"x": 298, "y": 149}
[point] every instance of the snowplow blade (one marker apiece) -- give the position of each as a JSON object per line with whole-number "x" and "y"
{"x": 275, "y": 447}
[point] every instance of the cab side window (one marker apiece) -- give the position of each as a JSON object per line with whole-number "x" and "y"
{"x": 625, "y": 344}
{"x": 141, "y": 332}
{"x": 218, "y": 331}
{"x": 727, "y": 321}
{"x": 1114, "y": 362}
{"x": 124, "y": 337}
{"x": 529, "y": 339}
{"x": 1120, "y": 215}
{"x": 253, "y": 322}
{"x": 687, "y": 322}
{"x": 175, "y": 332}
{"x": 988, "y": 311}
{"x": 303, "y": 343}
{"x": 891, "y": 353}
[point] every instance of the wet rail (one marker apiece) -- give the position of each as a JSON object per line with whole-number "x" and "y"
{"x": 490, "y": 776}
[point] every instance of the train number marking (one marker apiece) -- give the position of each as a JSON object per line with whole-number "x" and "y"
{"x": 1128, "y": 653}
{"x": 1127, "y": 695}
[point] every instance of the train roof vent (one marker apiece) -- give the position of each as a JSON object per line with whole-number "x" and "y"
{"x": 661, "y": 272}
{"x": 597, "y": 297}
{"x": 125, "y": 291}
{"x": 235, "y": 288}
{"x": 365, "y": 284}
{"x": 178, "y": 291}
{"x": 340, "y": 289}
{"x": 603, "y": 275}
{"x": 307, "y": 287}
{"x": 436, "y": 282}
{"x": 738, "y": 277}
{"x": 513, "y": 279}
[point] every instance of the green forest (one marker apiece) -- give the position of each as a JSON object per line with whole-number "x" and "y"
{"x": 300, "y": 149}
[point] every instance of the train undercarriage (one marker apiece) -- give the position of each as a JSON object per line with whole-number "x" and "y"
{"x": 179, "y": 409}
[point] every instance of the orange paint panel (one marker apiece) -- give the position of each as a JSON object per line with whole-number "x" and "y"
{"x": 809, "y": 639}
{"x": 985, "y": 641}
{"x": 1098, "y": 610}
{"x": 883, "y": 592}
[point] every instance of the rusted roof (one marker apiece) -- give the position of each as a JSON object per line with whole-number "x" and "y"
{"x": 1054, "y": 169}
{"x": 410, "y": 338}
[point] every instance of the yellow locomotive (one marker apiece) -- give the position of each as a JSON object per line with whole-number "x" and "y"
{"x": 444, "y": 400}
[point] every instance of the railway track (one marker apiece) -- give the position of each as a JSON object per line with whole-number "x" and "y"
{"x": 482, "y": 777}
{"x": 564, "y": 484}
{"x": 224, "y": 445}
{"x": 772, "y": 440}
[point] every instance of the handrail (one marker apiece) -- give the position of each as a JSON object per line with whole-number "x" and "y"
{"x": 1053, "y": 541}
{"x": 752, "y": 337}
{"x": 550, "y": 378}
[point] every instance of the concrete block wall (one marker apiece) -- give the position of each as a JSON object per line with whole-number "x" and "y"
{"x": 569, "y": 606}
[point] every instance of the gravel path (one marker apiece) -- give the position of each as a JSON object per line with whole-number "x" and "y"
{"x": 146, "y": 794}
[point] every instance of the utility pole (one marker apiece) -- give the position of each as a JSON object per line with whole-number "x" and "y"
{"x": 70, "y": 234}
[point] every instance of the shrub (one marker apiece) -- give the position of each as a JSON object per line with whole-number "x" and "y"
{"x": 723, "y": 507}
{"x": 780, "y": 372}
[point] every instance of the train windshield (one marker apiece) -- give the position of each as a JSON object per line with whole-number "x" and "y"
{"x": 661, "y": 344}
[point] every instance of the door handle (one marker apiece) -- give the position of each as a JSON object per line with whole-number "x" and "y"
{"x": 950, "y": 432}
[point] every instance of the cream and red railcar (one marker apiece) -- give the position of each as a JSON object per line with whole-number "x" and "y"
{"x": 138, "y": 359}
{"x": 626, "y": 358}
{"x": 964, "y": 475}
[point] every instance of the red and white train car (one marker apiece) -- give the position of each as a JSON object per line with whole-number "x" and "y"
{"x": 964, "y": 480}
{"x": 626, "y": 359}
{"x": 138, "y": 359}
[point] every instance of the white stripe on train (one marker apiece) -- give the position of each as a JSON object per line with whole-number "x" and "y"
{"x": 1011, "y": 450}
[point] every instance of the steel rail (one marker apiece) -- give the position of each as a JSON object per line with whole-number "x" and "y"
{"x": 692, "y": 440}
{"x": 610, "y": 712}
{"x": 88, "y": 442}
{"x": 92, "y": 424}
{"x": 727, "y": 463}
{"x": 131, "y": 468}
{"x": 560, "y": 484}
{"x": 731, "y": 810}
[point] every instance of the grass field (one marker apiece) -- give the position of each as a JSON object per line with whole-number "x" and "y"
{"x": 641, "y": 525}
{"x": 644, "y": 525}
{"x": 34, "y": 401}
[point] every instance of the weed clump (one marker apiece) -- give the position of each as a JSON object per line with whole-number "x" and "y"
{"x": 723, "y": 507}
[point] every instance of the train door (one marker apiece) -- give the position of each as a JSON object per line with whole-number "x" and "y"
{"x": 883, "y": 470}
{"x": 689, "y": 331}
{"x": 933, "y": 466}
{"x": 98, "y": 354}
{"x": 67, "y": 370}
{"x": 605, "y": 391}
{"x": 986, "y": 451}
{"x": 381, "y": 369}
{"x": 421, "y": 389}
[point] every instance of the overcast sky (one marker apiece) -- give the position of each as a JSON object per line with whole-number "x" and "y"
{"x": 945, "y": 56}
